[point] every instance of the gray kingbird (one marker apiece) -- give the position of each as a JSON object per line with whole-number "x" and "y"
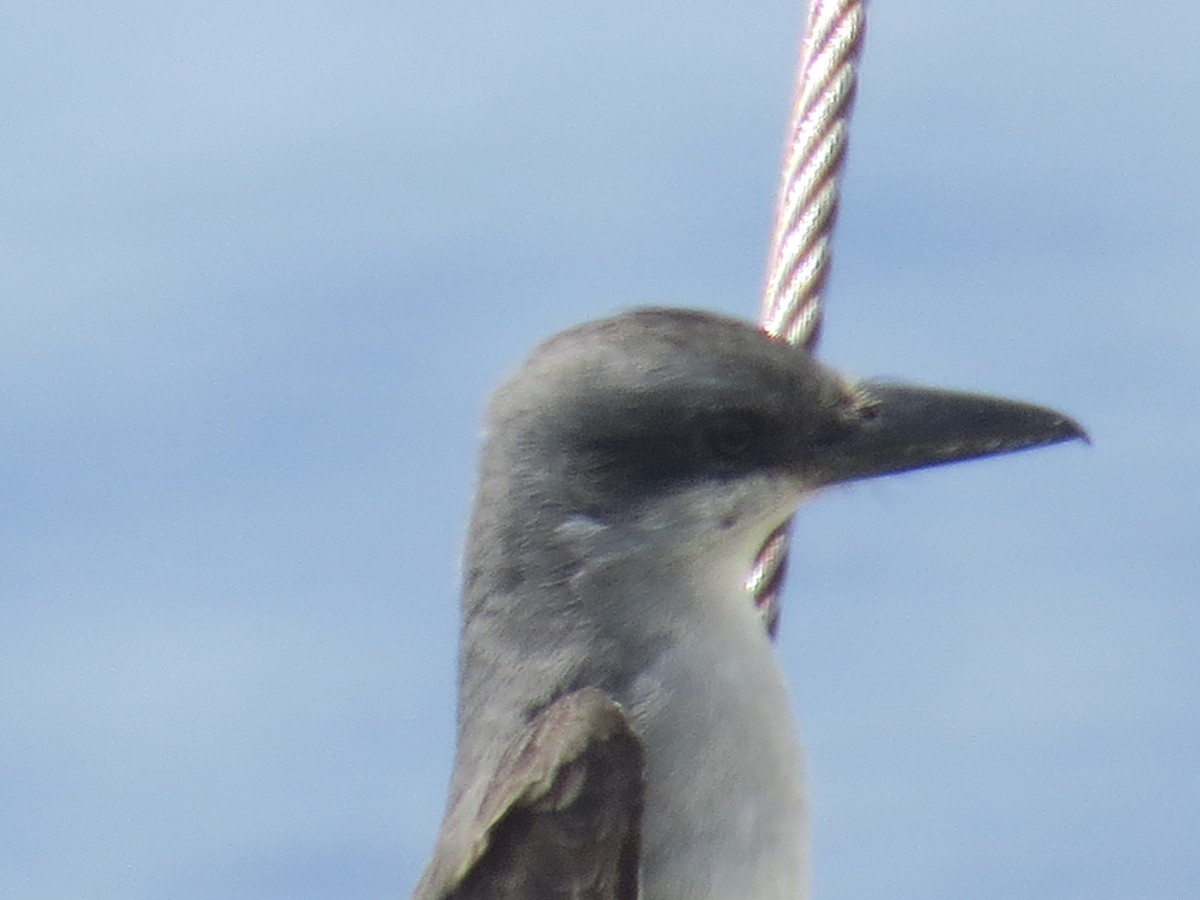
{"x": 624, "y": 729}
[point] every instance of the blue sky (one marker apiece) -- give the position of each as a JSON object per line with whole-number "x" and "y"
{"x": 260, "y": 264}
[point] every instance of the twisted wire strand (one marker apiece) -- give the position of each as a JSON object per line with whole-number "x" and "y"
{"x": 805, "y": 211}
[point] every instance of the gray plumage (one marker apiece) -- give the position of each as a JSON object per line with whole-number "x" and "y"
{"x": 623, "y": 724}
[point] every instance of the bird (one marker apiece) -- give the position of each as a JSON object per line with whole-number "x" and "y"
{"x": 623, "y": 725}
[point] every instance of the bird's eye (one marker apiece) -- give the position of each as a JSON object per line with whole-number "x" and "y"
{"x": 732, "y": 436}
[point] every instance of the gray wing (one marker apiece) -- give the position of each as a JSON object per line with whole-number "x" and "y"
{"x": 562, "y": 816}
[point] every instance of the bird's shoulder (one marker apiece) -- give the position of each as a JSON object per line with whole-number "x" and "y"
{"x": 561, "y": 818}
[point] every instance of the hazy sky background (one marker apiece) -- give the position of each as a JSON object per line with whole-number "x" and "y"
{"x": 261, "y": 262}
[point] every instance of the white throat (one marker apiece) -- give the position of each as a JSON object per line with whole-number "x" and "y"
{"x": 725, "y": 809}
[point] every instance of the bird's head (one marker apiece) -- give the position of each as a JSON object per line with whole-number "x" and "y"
{"x": 681, "y": 430}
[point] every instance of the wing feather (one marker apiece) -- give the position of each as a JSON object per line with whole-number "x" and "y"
{"x": 562, "y": 815}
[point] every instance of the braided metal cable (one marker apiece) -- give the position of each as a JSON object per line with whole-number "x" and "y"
{"x": 805, "y": 210}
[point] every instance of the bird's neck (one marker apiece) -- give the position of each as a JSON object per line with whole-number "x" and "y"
{"x": 672, "y": 636}
{"x": 725, "y": 812}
